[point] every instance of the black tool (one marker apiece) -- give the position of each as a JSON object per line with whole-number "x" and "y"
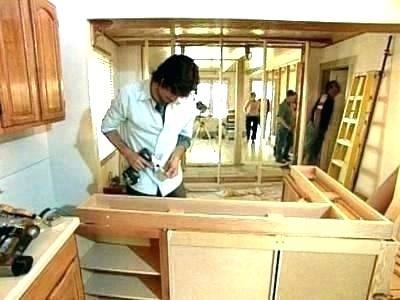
{"x": 130, "y": 175}
{"x": 17, "y": 230}
{"x": 13, "y": 242}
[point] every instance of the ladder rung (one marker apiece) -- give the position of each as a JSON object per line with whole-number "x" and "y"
{"x": 338, "y": 162}
{"x": 350, "y": 120}
{"x": 344, "y": 142}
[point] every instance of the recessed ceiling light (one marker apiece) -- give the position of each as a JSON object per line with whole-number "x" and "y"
{"x": 203, "y": 30}
{"x": 178, "y": 31}
{"x": 257, "y": 31}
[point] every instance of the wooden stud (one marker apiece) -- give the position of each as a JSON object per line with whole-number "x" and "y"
{"x": 304, "y": 101}
{"x": 117, "y": 219}
{"x": 163, "y": 248}
{"x": 383, "y": 268}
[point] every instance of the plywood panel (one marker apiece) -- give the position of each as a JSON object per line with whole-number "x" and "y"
{"x": 123, "y": 287}
{"x": 327, "y": 276}
{"x": 122, "y": 259}
{"x": 221, "y": 267}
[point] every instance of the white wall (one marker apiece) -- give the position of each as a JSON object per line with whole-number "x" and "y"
{"x": 382, "y": 154}
{"x": 367, "y": 11}
{"x": 129, "y": 64}
{"x": 72, "y": 142}
{"x": 25, "y": 170}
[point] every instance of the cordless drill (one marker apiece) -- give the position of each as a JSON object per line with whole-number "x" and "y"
{"x": 130, "y": 175}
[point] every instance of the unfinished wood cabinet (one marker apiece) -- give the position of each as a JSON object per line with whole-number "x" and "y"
{"x": 320, "y": 242}
{"x": 30, "y": 70}
{"x": 117, "y": 268}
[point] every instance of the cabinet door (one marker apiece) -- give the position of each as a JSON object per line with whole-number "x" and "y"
{"x": 70, "y": 286}
{"x": 18, "y": 82}
{"x": 45, "y": 28}
{"x": 327, "y": 276}
{"x": 219, "y": 266}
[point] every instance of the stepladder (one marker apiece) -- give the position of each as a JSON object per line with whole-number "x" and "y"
{"x": 352, "y": 130}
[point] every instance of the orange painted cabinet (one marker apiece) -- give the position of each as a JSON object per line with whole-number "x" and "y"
{"x": 30, "y": 67}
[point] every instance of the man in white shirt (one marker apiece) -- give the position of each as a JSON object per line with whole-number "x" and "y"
{"x": 158, "y": 115}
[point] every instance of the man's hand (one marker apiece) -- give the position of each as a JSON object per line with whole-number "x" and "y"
{"x": 172, "y": 165}
{"x": 136, "y": 161}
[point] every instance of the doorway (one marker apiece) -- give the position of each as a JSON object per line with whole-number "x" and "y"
{"x": 341, "y": 75}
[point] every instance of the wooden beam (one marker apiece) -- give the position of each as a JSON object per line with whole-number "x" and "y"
{"x": 239, "y": 115}
{"x": 383, "y": 269}
{"x": 119, "y": 220}
{"x": 304, "y": 102}
{"x": 146, "y": 61}
{"x": 203, "y": 206}
{"x": 220, "y": 117}
{"x": 250, "y": 24}
{"x": 163, "y": 248}
{"x": 262, "y": 114}
{"x": 215, "y": 39}
{"x": 287, "y": 77}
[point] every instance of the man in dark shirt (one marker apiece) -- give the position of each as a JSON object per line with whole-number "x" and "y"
{"x": 320, "y": 117}
{"x": 286, "y": 122}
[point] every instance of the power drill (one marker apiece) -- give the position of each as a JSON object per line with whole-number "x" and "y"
{"x": 130, "y": 175}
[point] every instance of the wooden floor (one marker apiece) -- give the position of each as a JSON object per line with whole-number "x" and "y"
{"x": 205, "y": 151}
{"x": 271, "y": 191}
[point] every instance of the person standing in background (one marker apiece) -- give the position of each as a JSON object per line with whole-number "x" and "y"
{"x": 320, "y": 117}
{"x": 286, "y": 123}
{"x": 252, "y": 111}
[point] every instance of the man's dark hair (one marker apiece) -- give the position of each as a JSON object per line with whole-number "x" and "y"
{"x": 290, "y": 93}
{"x": 332, "y": 84}
{"x": 252, "y": 94}
{"x": 179, "y": 73}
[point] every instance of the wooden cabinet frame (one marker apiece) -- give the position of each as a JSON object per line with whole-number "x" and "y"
{"x": 317, "y": 218}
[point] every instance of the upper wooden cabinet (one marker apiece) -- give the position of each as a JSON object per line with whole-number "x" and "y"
{"x": 45, "y": 29}
{"x": 30, "y": 68}
{"x": 18, "y": 79}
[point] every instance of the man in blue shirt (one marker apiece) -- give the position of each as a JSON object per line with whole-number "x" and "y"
{"x": 156, "y": 114}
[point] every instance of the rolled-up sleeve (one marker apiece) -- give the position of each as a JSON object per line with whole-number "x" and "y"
{"x": 117, "y": 112}
{"x": 184, "y": 141}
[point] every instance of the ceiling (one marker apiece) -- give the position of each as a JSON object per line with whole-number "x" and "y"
{"x": 208, "y": 58}
{"x": 234, "y": 32}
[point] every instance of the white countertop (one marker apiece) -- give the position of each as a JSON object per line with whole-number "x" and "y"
{"x": 43, "y": 249}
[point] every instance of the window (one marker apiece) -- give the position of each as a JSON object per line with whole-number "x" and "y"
{"x": 101, "y": 92}
{"x": 257, "y": 87}
{"x": 214, "y": 96}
